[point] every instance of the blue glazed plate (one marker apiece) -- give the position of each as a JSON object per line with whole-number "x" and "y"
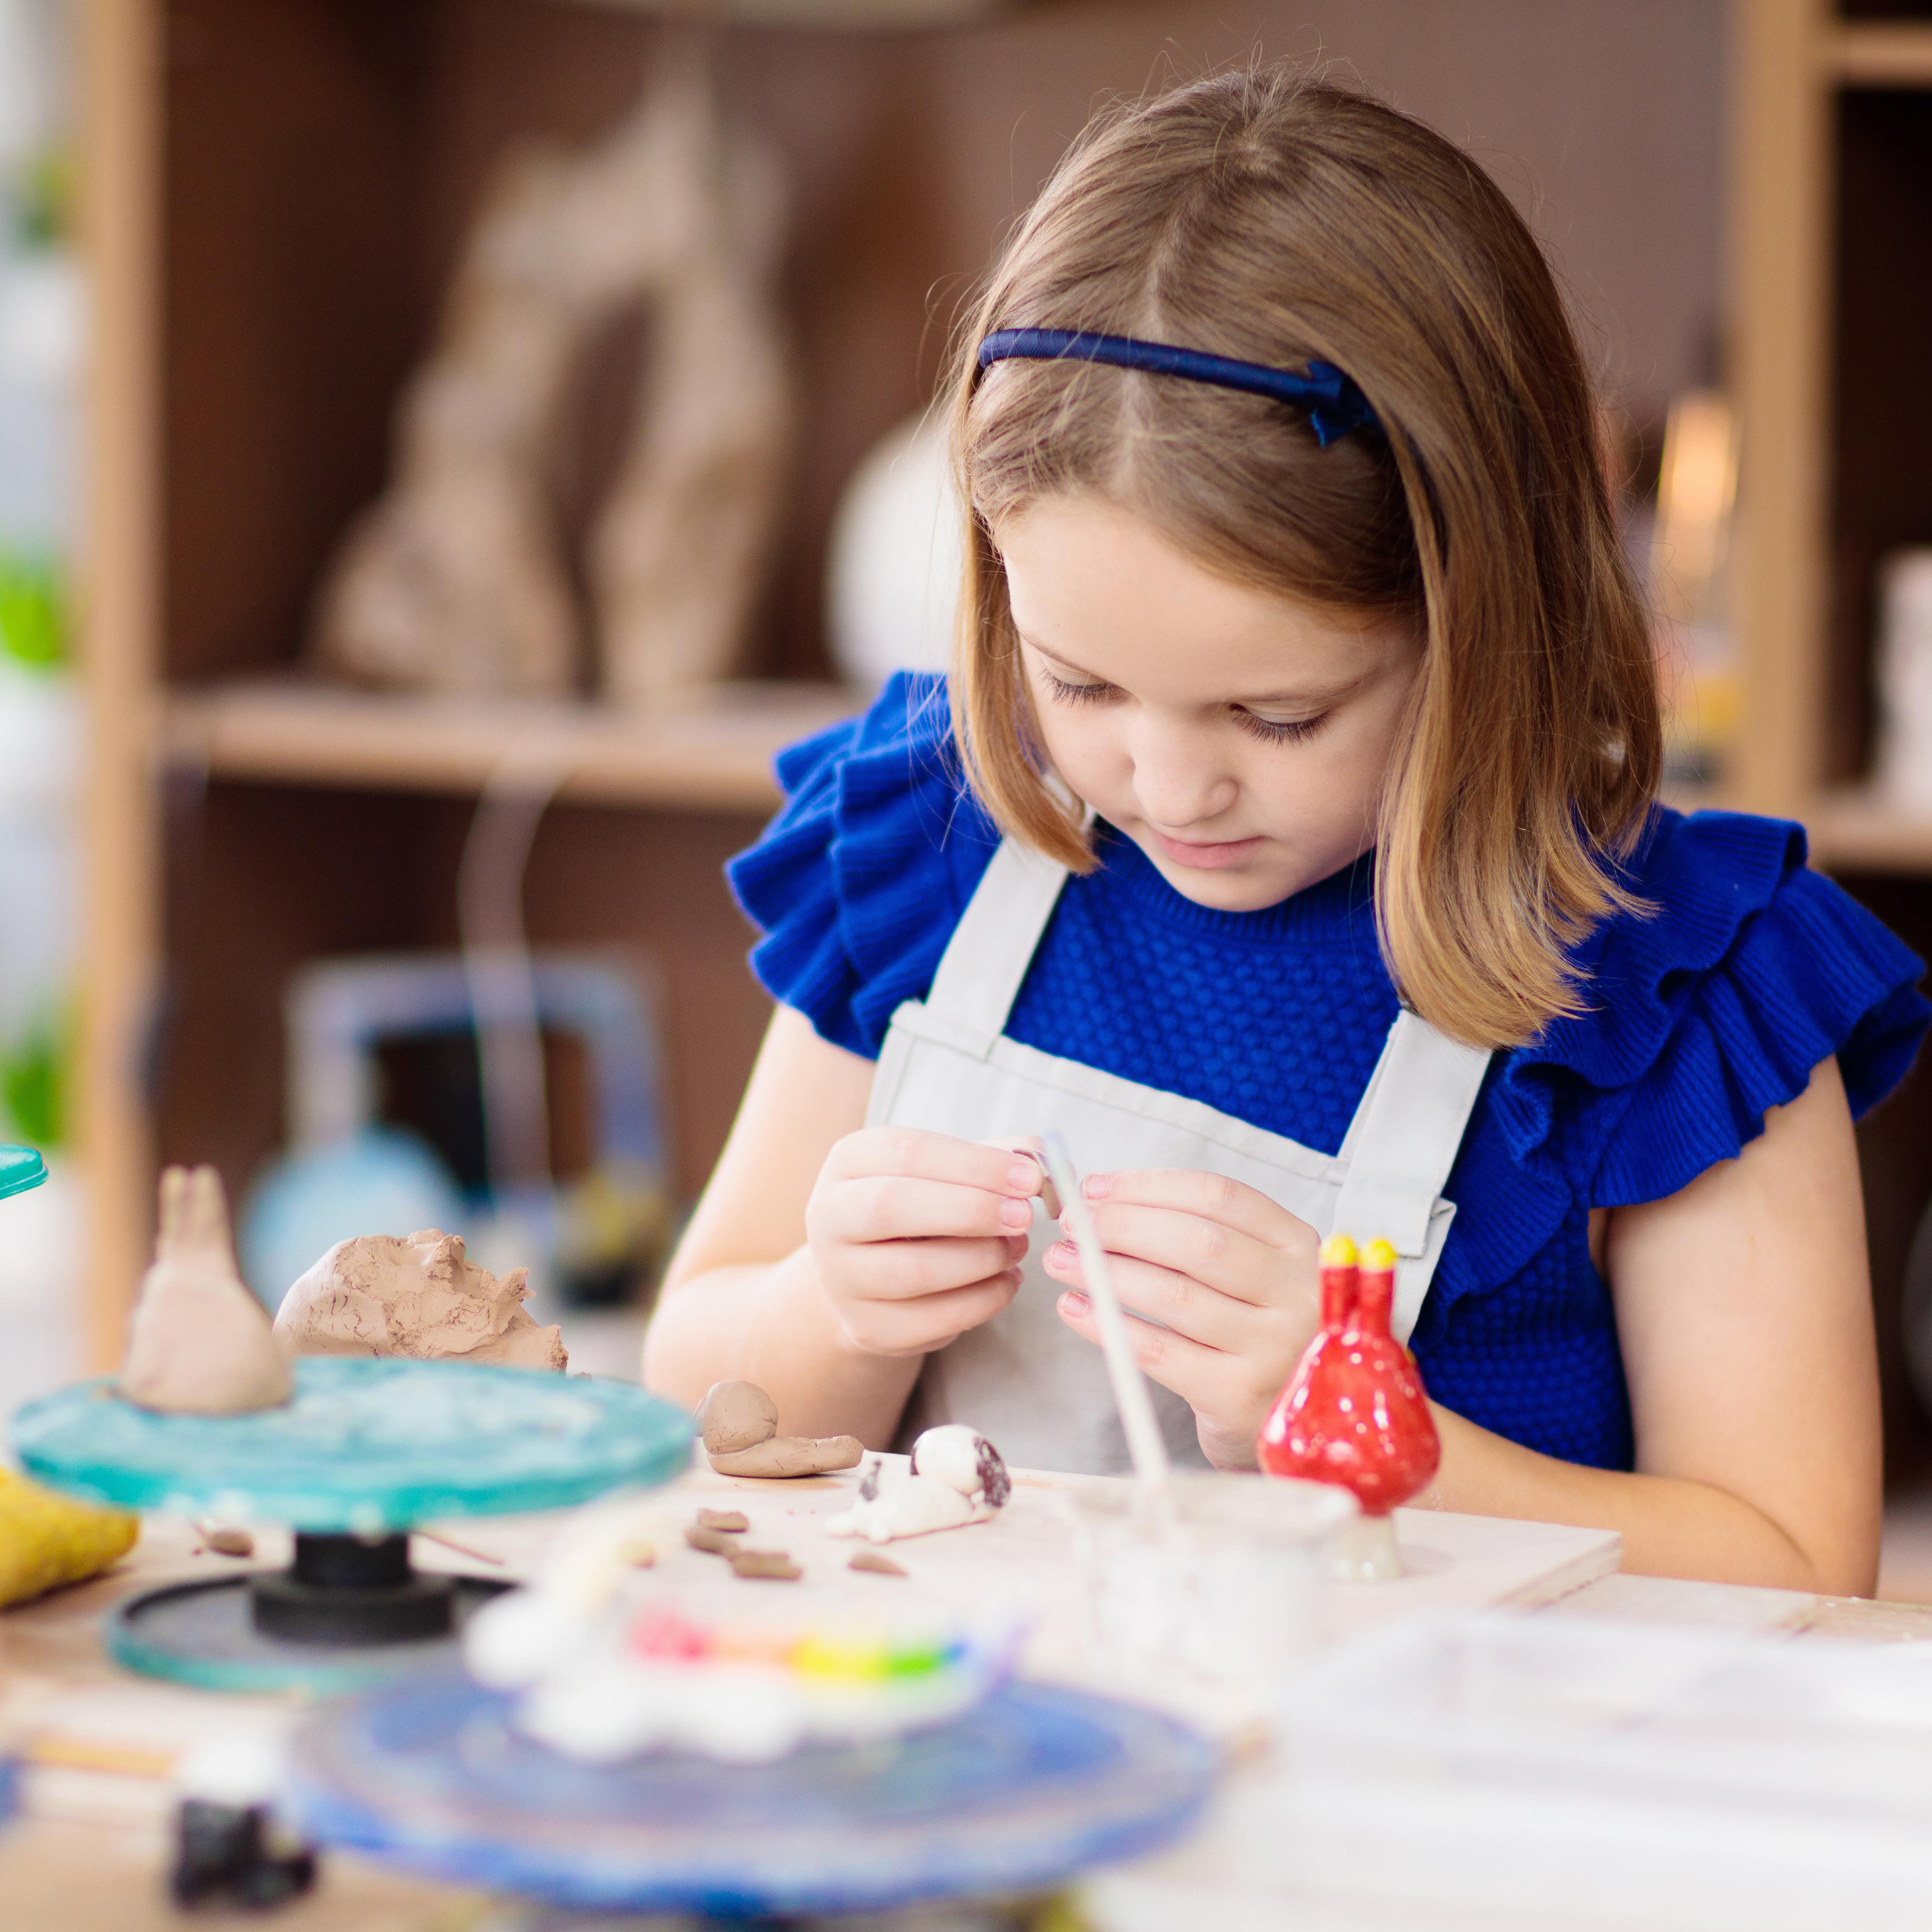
{"x": 1027, "y": 1788}
{"x": 366, "y": 1445}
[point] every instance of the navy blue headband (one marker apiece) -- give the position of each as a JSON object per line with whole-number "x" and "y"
{"x": 1334, "y": 404}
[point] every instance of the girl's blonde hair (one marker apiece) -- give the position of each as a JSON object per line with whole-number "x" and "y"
{"x": 1264, "y": 216}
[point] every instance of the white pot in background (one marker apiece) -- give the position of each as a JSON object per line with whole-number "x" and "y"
{"x": 1903, "y": 765}
{"x": 893, "y": 582}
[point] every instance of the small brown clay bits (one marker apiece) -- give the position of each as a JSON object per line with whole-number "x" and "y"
{"x": 714, "y": 1530}
{"x": 772, "y": 1564}
{"x": 228, "y": 1542}
{"x": 878, "y": 1564}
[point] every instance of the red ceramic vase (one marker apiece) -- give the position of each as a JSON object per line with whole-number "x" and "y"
{"x": 1353, "y": 1411}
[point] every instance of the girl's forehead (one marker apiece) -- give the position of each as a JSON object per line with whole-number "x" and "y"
{"x": 1102, "y": 591}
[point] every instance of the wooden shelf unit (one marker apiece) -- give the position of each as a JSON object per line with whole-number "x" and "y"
{"x": 1831, "y": 315}
{"x": 715, "y": 756}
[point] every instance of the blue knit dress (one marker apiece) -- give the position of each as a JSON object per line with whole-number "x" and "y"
{"x": 1751, "y": 970}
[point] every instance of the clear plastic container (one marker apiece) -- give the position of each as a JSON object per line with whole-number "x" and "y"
{"x": 1225, "y": 1584}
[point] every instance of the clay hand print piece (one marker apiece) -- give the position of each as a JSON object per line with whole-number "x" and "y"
{"x": 740, "y": 1424}
{"x": 957, "y": 1476}
{"x": 199, "y": 1343}
{"x": 421, "y": 1296}
{"x": 1355, "y": 1412}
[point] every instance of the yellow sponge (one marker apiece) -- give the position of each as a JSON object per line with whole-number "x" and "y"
{"x": 45, "y": 1540}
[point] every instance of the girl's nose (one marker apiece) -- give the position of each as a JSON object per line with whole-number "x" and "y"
{"x": 1178, "y": 780}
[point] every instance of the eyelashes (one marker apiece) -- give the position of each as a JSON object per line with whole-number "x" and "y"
{"x": 1064, "y": 693}
{"x": 1273, "y": 731}
{"x": 1269, "y": 731}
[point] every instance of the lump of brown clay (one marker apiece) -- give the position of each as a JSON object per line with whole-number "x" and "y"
{"x": 712, "y": 1542}
{"x": 421, "y": 1296}
{"x": 740, "y": 1424}
{"x": 199, "y": 1343}
{"x": 731, "y": 1520}
{"x": 736, "y": 1415}
{"x": 876, "y": 1565}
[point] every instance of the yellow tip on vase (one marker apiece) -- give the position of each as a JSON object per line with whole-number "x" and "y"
{"x": 1379, "y": 1257}
{"x": 1338, "y": 1251}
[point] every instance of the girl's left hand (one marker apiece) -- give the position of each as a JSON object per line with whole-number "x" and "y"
{"x": 1230, "y": 1276}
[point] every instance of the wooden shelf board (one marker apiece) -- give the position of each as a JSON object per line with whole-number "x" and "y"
{"x": 1853, "y": 830}
{"x": 1879, "y": 55}
{"x": 712, "y": 753}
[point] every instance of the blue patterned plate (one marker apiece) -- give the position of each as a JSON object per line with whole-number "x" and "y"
{"x": 366, "y": 1445}
{"x": 1018, "y": 1794}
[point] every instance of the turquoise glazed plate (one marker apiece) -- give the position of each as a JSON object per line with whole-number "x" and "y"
{"x": 367, "y": 1445}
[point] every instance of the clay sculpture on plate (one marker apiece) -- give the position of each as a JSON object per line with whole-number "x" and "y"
{"x": 740, "y": 1424}
{"x": 957, "y": 1478}
{"x": 420, "y": 1296}
{"x": 1355, "y": 1412}
{"x": 199, "y": 1343}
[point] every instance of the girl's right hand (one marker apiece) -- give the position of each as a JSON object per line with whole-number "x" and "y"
{"x": 918, "y": 1237}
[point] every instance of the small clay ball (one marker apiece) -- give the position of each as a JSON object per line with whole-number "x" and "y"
{"x": 735, "y": 1416}
{"x": 963, "y": 1459}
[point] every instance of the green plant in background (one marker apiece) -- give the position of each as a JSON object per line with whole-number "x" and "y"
{"x": 33, "y": 610}
{"x": 43, "y": 199}
{"x": 34, "y": 1071}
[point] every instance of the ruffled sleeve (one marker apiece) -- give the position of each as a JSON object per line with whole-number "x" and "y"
{"x": 859, "y": 882}
{"x": 1702, "y": 1016}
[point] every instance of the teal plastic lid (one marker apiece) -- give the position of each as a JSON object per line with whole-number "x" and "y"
{"x": 21, "y": 1167}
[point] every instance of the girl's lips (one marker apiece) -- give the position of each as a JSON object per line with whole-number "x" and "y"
{"x": 1210, "y": 858}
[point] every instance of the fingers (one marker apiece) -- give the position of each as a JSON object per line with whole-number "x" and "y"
{"x": 905, "y": 1270}
{"x": 885, "y": 1207}
{"x": 1232, "y": 1205}
{"x": 1210, "y": 1381}
{"x": 928, "y": 1322}
{"x": 910, "y": 1154}
{"x": 1177, "y": 1300}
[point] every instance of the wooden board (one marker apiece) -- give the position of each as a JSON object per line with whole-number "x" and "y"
{"x": 1024, "y": 1557}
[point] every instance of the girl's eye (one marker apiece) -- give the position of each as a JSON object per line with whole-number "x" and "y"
{"x": 1278, "y": 730}
{"x": 1075, "y": 694}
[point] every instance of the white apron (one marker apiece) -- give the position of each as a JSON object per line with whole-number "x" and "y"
{"x": 1024, "y": 1379}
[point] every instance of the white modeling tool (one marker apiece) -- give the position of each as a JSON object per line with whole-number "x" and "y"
{"x": 1130, "y": 1389}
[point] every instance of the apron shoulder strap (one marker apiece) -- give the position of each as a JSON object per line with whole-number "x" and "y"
{"x": 979, "y": 973}
{"x": 1404, "y": 1140}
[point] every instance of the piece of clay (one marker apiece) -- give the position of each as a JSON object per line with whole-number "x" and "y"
{"x": 231, "y": 1542}
{"x": 772, "y": 1564}
{"x": 734, "y": 1416}
{"x": 199, "y": 1343}
{"x": 963, "y": 1459}
{"x": 917, "y": 1507}
{"x": 1049, "y": 1195}
{"x": 724, "y": 1519}
{"x": 715, "y": 1542}
{"x": 739, "y": 1422}
{"x": 871, "y": 1562}
{"x": 957, "y": 1477}
{"x": 421, "y": 1296}
{"x": 792, "y": 1456}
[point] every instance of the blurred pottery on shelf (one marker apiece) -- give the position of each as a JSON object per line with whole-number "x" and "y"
{"x": 456, "y": 580}
{"x": 1354, "y": 1413}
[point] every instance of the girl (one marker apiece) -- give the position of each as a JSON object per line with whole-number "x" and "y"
{"x": 1287, "y": 836}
